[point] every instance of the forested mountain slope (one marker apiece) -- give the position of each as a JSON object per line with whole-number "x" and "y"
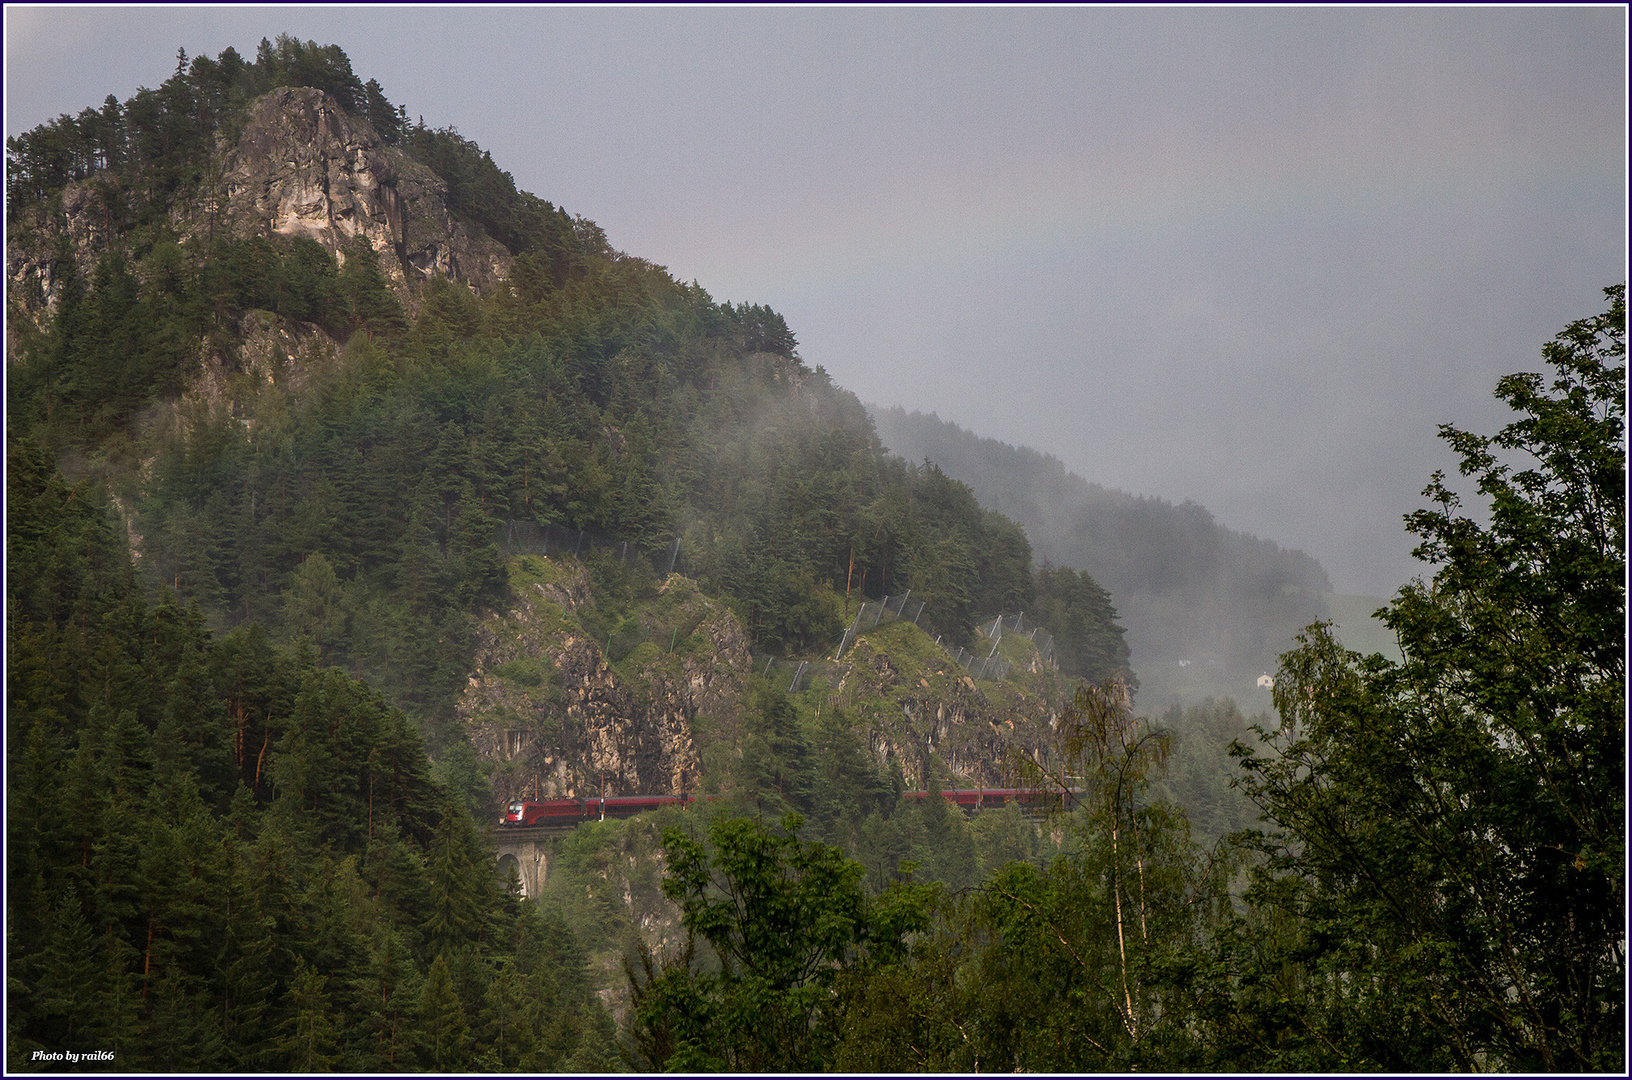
{"x": 1222, "y": 604}
{"x": 282, "y": 371}
{"x": 288, "y": 337}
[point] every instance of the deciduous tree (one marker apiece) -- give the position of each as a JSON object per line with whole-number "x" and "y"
{"x": 1451, "y": 840}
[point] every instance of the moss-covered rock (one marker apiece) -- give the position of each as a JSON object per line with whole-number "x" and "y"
{"x": 551, "y": 714}
{"x": 917, "y": 708}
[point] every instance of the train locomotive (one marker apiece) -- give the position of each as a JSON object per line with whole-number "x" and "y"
{"x": 592, "y": 808}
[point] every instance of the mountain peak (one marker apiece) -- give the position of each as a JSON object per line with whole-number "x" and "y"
{"x": 304, "y": 168}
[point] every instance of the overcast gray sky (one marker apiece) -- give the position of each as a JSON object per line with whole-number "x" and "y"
{"x": 1250, "y": 257}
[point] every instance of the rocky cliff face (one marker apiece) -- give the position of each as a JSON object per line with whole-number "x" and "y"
{"x": 554, "y": 717}
{"x": 39, "y": 245}
{"x": 923, "y": 712}
{"x": 300, "y": 167}
{"x": 548, "y": 709}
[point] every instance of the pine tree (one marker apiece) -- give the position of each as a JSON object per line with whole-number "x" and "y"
{"x": 64, "y": 996}
{"x": 308, "y": 1043}
{"x": 392, "y": 1000}
{"x": 459, "y": 890}
{"x": 443, "y": 1030}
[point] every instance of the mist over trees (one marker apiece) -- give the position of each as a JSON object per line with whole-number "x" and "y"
{"x": 1186, "y": 588}
{"x": 1440, "y": 880}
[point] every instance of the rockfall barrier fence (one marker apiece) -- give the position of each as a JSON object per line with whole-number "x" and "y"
{"x": 531, "y": 538}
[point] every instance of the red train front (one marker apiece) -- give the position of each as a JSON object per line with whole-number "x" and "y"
{"x": 595, "y": 808}
{"x": 545, "y": 812}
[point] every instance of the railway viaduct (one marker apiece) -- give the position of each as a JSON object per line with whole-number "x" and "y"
{"x": 527, "y": 849}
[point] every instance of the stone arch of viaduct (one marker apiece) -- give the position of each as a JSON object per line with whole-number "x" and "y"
{"x": 528, "y": 851}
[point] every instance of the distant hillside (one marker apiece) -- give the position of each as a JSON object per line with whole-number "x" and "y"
{"x": 1207, "y": 609}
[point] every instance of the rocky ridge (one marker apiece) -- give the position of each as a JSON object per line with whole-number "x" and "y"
{"x": 918, "y": 709}
{"x": 303, "y": 167}
{"x": 300, "y": 167}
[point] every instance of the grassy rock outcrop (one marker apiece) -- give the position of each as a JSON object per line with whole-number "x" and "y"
{"x": 555, "y": 716}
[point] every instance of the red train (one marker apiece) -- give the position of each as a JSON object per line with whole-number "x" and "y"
{"x": 600, "y": 807}
{"x": 594, "y": 808}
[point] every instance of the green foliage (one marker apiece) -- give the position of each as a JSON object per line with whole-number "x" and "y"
{"x": 443, "y": 1029}
{"x": 523, "y": 223}
{"x": 112, "y": 348}
{"x": 1110, "y": 758}
{"x": 221, "y": 857}
{"x": 1057, "y": 968}
{"x": 775, "y": 770}
{"x": 605, "y": 881}
{"x": 1087, "y": 641}
{"x": 759, "y": 329}
{"x": 1451, "y": 869}
{"x": 1201, "y": 775}
{"x": 309, "y": 1043}
{"x": 1005, "y": 836}
{"x": 1011, "y": 981}
{"x": 846, "y": 787}
{"x": 132, "y": 337}
{"x": 786, "y": 920}
{"x": 526, "y": 672}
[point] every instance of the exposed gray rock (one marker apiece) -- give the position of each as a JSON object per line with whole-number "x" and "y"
{"x": 936, "y": 719}
{"x": 300, "y": 167}
{"x": 40, "y": 242}
{"x": 577, "y": 727}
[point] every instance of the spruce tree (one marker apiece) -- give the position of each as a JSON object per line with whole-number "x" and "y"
{"x": 443, "y": 1029}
